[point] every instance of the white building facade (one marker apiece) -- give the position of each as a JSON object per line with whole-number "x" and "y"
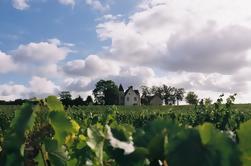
{"x": 132, "y": 97}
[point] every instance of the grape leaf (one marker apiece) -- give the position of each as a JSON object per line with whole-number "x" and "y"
{"x": 244, "y": 134}
{"x": 54, "y": 104}
{"x": 61, "y": 125}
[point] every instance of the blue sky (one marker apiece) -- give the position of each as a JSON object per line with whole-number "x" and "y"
{"x": 49, "y": 19}
{"x": 47, "y": 46}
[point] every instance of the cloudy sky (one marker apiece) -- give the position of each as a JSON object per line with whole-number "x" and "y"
{"x": 51, "y": 45}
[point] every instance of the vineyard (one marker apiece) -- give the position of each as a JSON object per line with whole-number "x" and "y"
{"x": 43, "y": 133}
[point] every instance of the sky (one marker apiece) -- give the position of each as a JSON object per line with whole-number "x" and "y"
{"x": 48, "y": 46}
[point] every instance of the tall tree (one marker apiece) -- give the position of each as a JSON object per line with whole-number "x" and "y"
{"x": 65, "y": 98}
{"x": 157, "y": 90}
{"x": 89, "y": 100}
{"x": 106, "y": 92}
{"x": 179, "y": 94}
{"x": 168, "y": 94}
{"x": 192, "y": 98}
{"x": 145, "y": 95}
{"x": 65, "y": 95}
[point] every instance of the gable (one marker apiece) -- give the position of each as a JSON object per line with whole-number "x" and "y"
{"x": 130, "y": 92}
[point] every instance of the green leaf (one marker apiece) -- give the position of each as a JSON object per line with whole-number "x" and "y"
{"x": 39, "y": 159}
{"x": 54, "y": 104}
{"x": 61, "y": 125}
{"x": 122, "y": 132}
{"x": 72, "y": 162}
{"x": 24, "y": 118}
{"x": 220, "y": 149}
{"x": 56, "y": 154}
{"x": 244, "y": 134}
{"x": 185, "y": 148}
{"x": 15, "y": 138}
{"x": 206, "y": 132}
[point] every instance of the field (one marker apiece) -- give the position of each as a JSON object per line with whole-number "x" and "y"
{"x": 44, "y": 133}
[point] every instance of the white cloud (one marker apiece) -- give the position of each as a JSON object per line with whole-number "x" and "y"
{"x": 20, "y": 4}
{"x": 6, "y": 63}
{"x": 55, "y": 41}
{"x": 97, "y": 5}
{"x": 80, "y": 84}
{"x": 37, "y": 87}
{"x": 40, "y": 53}
{"x": 67, "y": 2}
{"x": 223, "y": 51}
{"x": 12, "y": 91}
{"x": 50, "y": 71}
{"x": 159, "y": 36}
{"x": 41, "y": 59}
{"x": 93, "y": 66}
{"x": 42, "y": 87}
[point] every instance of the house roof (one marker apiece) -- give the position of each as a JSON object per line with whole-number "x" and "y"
{"x": 151, "y": 97}
{"x": 135, "y": 91}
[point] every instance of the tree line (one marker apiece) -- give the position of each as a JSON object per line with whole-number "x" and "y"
{"x": 106, "y": 92}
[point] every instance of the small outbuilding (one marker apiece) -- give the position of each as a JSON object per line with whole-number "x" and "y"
{"x": 155, "y": 100}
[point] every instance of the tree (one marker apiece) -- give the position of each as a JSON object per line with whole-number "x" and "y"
{"x": 179, "y": 94}
{"x": 112, "y": 96}
{"x": 156, "y": 90}
{"x": 192, "y": 98}
{"x": 65, "y": 98}
{"x": 89, "y": 100}
{"x": 168, "y": 94}
{"x": 106, "y": 93}
{"x": 208, "y": 101}
{"x": 145, "y": 95}
{"x": 78, "y": 101}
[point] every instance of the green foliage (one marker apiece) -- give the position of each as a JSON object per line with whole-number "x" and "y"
{"x": 14, "y": 140}
{"x": 106, "y": 92}
{"x": 54, "y": 104}
{"x": 168, "y": 93}
{"x": 38, "y": 131}
{"x": 61, "y": 125}
{"x": 66, "y": 98}
{"x": 221, "y": 149}
{"x": 244, "y": 135}
{"x": 207, "y": 135}
{"x": 56, "y": 154}
{"x": 191, "y": 98}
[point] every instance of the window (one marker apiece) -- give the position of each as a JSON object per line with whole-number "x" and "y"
{"x": 127, "y": 98}
{"x": 135, "y": 98}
